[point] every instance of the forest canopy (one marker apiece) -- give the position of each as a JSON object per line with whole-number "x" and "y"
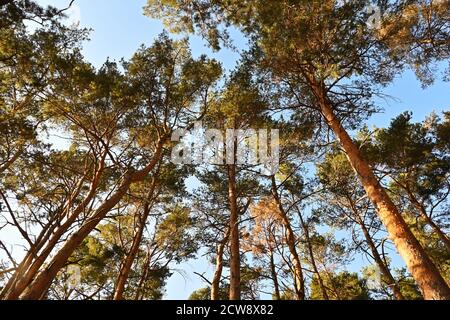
{"x": 114, "y": 178}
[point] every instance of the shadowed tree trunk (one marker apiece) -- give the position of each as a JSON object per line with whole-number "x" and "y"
{"x": 145, "y": 272}
{"x": 423, "y": 213}
{"x": 131, "y": 256}
{"x": 290, "y": 239}
{"x": 235, "y": 259}
{"x": 311, "y": 256}
{"x": 273, "y": 273}
{"x": 388, "y": 278}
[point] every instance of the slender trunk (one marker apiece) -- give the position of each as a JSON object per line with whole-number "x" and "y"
{"x": 144, "y": 276}
{"x": 311, "y": 256}
{"x": 290, "y": 239}
{"x": 273, "y": 272}
{"x": 215, "y": 283}
{"x": 235, "y": 259}
{"x": 423, "y": 270}
{"x": 388, "y": 278}
{"x": 444, "y": 238}
{"x": 42, "y": 282}
{"x": 131, "y": 256}
{"x": 423, "y": 213}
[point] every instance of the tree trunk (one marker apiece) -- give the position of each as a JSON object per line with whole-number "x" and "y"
{"x": 388, "y": 278}
{"x": 144, "y": 275}
{"x": 273, "y": 272}
{"x": 42, "y": 282}
{"x": 131, "y": 256}
{"x": 311, "y": 256}
{"x": 423, "y": 270}
{"x": 444, "y": 238}
{"x": 423, "y": 213}
{"x": 290, "y": 239}
{"x": 49, "y": 238}
{"x": 235, "y": 259}
{"x": 215, "y": 283}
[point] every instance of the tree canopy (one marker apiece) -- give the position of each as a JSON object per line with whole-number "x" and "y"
{"x": 292, "y": 187}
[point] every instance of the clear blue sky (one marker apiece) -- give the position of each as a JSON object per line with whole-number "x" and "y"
{"x": 119, "y": 28}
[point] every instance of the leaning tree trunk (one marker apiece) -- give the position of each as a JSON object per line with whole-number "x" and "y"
{"x": 427, "y": 276}
{"x": 388, "y": 278}
{"x": 144, "y": 275}
{"x": 42, "y": 282}
{"x": 131, "y": 256}
{"x": 290, "y": 239}
{"x": 427, "y": 219}
{"x": 49, "y": 238}
{"x": 444, "y": 238}
{"x": 235, "y": 260}
{"x": 311, "y": 256}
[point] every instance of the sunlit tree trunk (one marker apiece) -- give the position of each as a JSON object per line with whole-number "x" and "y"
{"x": 42, "y": 282}
{"x": 427, "y": 276}
{"x": 215, "y": 283}
{"x": 49, "y": 238}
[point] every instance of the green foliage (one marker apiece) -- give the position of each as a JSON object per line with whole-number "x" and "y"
{"x": 336, "y": 174}
{"x": 342, "y": 286}
{"x": 173, "y": 234}
{"x": 408, "y": 286}
{"x": 437, "y": 251}
{"x": 205, "y": 294}
{"x": 338, "y": 44}
{"x": 412, "y": 152}
{"x": 249, "y": 287}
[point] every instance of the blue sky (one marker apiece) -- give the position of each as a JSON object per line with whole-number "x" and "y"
{"x": 119, "y": 28}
